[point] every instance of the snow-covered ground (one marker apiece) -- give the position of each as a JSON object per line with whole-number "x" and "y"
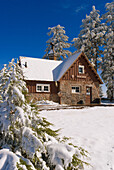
{"x": 47, "y": 102}
{"x": 91, "y": 128}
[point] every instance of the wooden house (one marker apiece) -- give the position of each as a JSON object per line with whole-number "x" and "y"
{"x": 71, "y": 81}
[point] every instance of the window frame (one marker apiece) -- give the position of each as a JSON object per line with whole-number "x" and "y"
{"x": 75, "y": 92}
{"x": 37, "y": 88}
{"x": 42, "y": 88}
{"x": 81, "y": 66}
{"x": 88, "y": 92}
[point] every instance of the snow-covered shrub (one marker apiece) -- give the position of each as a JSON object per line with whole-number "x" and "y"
{"x": 23, "y": 131}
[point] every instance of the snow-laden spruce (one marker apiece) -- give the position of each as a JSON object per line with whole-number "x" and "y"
{"x": 108, "y": 60}
{"x": 90, "y": 38}
{"x": 59, "y": 41}
{"x": 101, "y": 91}
{"x": 27, "y": 135}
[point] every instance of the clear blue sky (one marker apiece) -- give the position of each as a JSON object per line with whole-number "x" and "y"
{"x": 24, "y": 24}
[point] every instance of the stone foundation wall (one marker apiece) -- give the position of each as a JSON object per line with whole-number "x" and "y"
{"x": 67, "y": 97}
{"x": 39, "y": 96}
{"x": 44, "y": 96}
{"x": 55, "y": 98}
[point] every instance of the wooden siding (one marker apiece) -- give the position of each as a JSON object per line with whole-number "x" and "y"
{"x": 31, "y": 85}
{"x": 73, "y": 74}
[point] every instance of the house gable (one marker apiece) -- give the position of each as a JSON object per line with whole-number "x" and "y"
{"x": 72, "y": 73}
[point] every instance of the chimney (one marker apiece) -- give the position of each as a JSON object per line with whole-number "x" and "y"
{"x": 26, "y": 64}
{"x": 51, "y": 55}
{"x": 52, "y": 47}
{"x": 19, "y": 63}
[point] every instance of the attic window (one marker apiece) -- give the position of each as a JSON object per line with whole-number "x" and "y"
{"x": 81, "y": 69}
{"x": 42, "y": 87}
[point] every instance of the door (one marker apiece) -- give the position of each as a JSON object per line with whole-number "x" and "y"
{"x": 88, "y": 95}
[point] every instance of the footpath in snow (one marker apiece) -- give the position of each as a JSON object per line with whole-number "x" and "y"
{"x": 92, "y": 128}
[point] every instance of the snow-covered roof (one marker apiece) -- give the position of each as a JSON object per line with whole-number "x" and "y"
{"x": 45, "y": 70}
{"x": 59, "y": 71}
{"x": 38, "y": 69}
{"x": 48, "y": 70}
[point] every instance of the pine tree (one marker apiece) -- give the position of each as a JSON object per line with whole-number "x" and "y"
{"x": 108, "y": 60}
{"x": 58, "y": 42}
{"x": 23, "y": 130}
{"x": 100, "y": 91}
{"x": 2, "y": 80}
{"x": 90, "y": 38}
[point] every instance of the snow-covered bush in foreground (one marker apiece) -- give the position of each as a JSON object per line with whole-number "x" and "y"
{"x": 11, "y": 161}
{"x": 25, "y": 137}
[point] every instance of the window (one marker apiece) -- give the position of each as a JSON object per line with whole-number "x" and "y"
{"x": 88, "y": 90}
{"x": 42, "y": 88}
{"x": 39, "y": 88}
{"x": 46, "y": 88}
{"x": 81, "y": 69}
{"x": 75, "y": 89}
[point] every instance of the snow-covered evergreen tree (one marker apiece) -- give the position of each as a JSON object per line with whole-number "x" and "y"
{"x": 22, "y": 130}
{"x": 59, "y": 41}
{"x": 108, "y": 60}
{"x": 100, "y": 91}
{"x": 90, "y": 38}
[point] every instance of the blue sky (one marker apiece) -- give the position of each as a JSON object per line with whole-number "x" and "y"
{"x": 24, "y": 24}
